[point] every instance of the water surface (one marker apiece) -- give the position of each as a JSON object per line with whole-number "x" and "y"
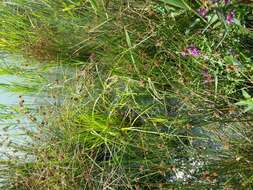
{"x": 24, "y": 89}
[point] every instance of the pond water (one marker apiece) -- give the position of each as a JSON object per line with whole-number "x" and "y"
{"x": 24, "y": 89}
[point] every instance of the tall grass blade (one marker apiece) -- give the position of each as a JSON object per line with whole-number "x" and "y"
{"x": 177, "y": 3}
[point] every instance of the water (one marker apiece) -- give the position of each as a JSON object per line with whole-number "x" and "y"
{"x": 24, "y": 89}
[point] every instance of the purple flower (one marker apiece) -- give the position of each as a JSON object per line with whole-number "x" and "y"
{"x": 202, "y": 11}
{"x": 230, "y": 17}
{"x": 191, "y": 51}
{"x": 226, "y": 2}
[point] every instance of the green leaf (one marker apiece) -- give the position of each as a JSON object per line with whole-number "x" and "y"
{"x": 248, "y": 104}
{"x": 245, "y": 94}
{"x": 249, "y": 108}
{"x": 177, "y": 3}
{"x": 94, "y": 5}
{"x": 128, "y": 39}
{"x": 129, "y": 44}
{"x": 158, "y": 120}
{"x": 68, "y": 8}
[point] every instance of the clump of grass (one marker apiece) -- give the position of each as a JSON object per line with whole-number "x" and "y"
{"x": 144, "y": 111}
{"x": 46, "y": 30}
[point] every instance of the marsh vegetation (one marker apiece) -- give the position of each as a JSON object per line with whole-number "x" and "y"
{"x": 150, "y": 95}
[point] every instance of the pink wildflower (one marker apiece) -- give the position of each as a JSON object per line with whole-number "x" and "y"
{"x": 230, "y": 17}
{"x": 226, "y": 2}
{"x": 202, "y": 11}
{"x": 191, "y": 51}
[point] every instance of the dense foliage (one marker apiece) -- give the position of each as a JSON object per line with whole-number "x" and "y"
{"x": 162, "y": 98}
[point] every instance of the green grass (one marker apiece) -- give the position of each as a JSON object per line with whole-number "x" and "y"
{"x": 136, "y": 113}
